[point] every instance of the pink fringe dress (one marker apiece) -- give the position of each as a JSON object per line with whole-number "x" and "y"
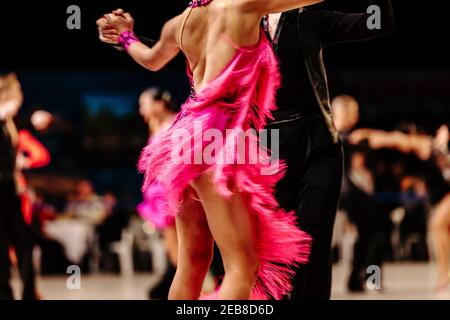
{"x": 154, "y": 207}
{"x": 240, "y": 98}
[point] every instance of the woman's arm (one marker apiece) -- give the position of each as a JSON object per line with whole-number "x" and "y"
{"x": 161, "y": 53}
{"x": 273, "y": 6}
{"x": 156, "y": 57}
{"x": 110, "y": 36}
{"x": 420, "y": 145}
{"x": 36, "y": 155}
{"x": 12, "y": 131}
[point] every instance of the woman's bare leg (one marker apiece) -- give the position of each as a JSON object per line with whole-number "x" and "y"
{"x": 195, "y": 250}
{"x": 234, "y": 231}
{"x": 440, "y": 223}
{"x": 171, "y": 242}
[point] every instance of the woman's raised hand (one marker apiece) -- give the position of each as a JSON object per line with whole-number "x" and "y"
{"x": 107, "y": 33}
{"x": 111, "y": 25}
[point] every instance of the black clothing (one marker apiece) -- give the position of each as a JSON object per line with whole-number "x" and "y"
{"x": 13, "y": 229}
{"x": 15, "y": 232}
{"x": 160, "y": 291}
{"x": 371, "y": 213}
{"x": 438, "y": 188}
{"x": 111, "y": 229}
{"x": 296, "y": 85}
{"x": 414, "y": 226}
{"x": 311, "y": 187}
{"x": 317, "y": 29}
{"x": 309, "y": 141}
{"x": 7, "y": 153}
{"x": 371, "y": 216}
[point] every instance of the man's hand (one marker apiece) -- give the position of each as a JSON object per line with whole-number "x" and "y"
{"x": 440, "y": 141}
{"x": 359, "y": 135}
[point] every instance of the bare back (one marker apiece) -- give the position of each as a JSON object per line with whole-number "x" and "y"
{"x": 203, "y": 33}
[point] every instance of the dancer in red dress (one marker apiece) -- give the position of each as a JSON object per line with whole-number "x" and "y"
{"x": 31, "y": 155}
{"x": 222, "y": 192}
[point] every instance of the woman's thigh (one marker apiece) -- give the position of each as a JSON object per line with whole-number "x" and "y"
{"x": 230, "y": 222}
{"x": 194, "y": 236}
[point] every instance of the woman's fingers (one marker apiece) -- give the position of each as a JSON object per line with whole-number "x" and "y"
{"x": 102, "y": 22}
{"x": 108, "y": 32}
{"x": 109, "y": 17}
{"x": 107, "y": 26}
{"x": 115, "y": 39}
{"x": 109, "y": 39}
{"x": 112, "y": 24}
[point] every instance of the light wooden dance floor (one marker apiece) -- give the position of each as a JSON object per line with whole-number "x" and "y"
{"x": 401, "y": 281}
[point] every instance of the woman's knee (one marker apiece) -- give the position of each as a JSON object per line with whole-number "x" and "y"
{"x": 246, "y": 263}
{"x": 200, "y": 256}
{"x": 253, "y": 265}
{"x": 203, "y": 183}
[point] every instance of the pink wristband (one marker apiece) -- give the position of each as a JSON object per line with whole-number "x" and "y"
{"x": 126, "y": 38}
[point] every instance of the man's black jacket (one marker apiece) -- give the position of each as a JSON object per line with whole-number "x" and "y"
{"x": 319, "y": 28}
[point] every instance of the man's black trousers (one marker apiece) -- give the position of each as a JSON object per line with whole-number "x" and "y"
{"x": 311, "y": 187}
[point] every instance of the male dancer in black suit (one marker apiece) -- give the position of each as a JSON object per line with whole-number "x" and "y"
{"x": 309, "y": 142}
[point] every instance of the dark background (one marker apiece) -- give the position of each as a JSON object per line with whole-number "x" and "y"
{"x": 404, "y": 75}
{"x": 93, "y": 89}
{"x": 34, "y": 34}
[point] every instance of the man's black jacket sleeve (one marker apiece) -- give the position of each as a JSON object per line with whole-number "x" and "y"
{"x": 338, "y": 27}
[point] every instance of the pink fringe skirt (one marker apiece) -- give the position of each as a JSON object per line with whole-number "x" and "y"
{"x": 171, "y": 160}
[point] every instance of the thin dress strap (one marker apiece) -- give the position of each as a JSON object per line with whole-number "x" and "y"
{"x": 193, "y": 4}
{"x": 183, "y": 24}
{"x": 199, "y": 3}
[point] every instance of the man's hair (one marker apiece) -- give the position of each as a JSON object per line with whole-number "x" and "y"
{"x": 6, "y": 81}
{"x": 345, "y": 100}
{"x": 9, "y": 87}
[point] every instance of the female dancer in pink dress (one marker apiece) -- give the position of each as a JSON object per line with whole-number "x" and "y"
{"x": 156, "y": 108}
{"x": 234, "y": 78}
